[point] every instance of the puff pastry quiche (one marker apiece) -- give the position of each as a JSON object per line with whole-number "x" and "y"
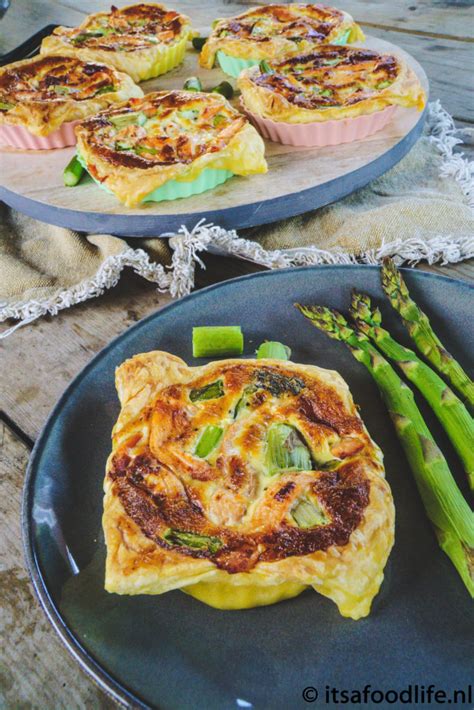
{"x": 327, "y": 83}
{"x": 143, "y": 40}
{"x": 243, "y": 482}
{"x": 273, "y": 31}
{"x": 42, "y": 93}
{"x": 169, "y": 141}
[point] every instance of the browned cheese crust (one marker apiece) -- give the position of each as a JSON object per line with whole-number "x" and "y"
{"x": 237, "y": 511}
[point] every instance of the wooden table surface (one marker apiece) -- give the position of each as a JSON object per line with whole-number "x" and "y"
{"x": 38, "y": 361}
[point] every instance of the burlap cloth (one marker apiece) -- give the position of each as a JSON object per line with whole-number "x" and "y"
{"x": 421, "y": 209}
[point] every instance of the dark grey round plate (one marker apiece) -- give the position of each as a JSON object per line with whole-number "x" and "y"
{"x": 173, "y": 652}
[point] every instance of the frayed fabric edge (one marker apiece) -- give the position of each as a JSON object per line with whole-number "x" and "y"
{"x": 179, "y": 277}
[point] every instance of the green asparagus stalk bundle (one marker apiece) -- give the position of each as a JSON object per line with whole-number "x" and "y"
{"x": 451, "y": 412}
{"x": 445, "y": 506}
{"x": 422, "y": 333}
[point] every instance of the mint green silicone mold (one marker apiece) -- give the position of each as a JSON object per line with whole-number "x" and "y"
{"x": 234, "y": 65}
{"x": 342, "y": 39}
{"x": 208, "y": 179}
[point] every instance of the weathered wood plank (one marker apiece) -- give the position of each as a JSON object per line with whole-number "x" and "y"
{"x": 54, "y": 350}
{"x": 464, "y": 270}
{"x": 36, "y": 671}
{"x": 448, "y": 65}
{"x": 448, "y": 18}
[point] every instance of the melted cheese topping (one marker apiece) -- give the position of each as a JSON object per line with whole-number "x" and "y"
{"x": 225, "y": 514}
{"x": 274, "y": 30}
{"x": 127, "y": 29}
{"x": 329, "y": 82}
{"x": 43, "y": 92}
{"x": 164, "y": 136}
{"x": 53, "y": 79}
{"x": 143, "y": 40}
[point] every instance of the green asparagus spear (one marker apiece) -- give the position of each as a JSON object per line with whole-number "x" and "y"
{"x": 73, "y": 172}
{"x": 451, "y": 412}
{"x": 420, "y": 330}
{"x": 445, "y": 506}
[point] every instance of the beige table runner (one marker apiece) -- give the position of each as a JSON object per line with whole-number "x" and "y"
{"x": 421, "y": 209}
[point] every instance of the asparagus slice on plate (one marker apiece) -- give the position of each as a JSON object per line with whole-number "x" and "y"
{"x": 451, "y": 412}
{"x": 423, "y": 335}
{"x": 445, "y": 506}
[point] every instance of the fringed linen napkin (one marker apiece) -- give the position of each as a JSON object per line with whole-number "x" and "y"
{"x": 422, "y": 209}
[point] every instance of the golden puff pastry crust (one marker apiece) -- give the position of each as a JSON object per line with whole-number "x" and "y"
{"x": 42, "y": 93}
{"x": 142, "y": 40}
{"x": 167, "y": 135}
{"x": 273, "y": 31}
{"x": 330, "y": 82}
{"x": 177, "y": 516}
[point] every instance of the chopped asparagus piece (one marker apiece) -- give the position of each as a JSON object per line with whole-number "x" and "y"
{"x": 383, "y": 84}
{"x": 192, "y": 84}
{"x": 225, "y": 89}
{"x": 218, "y": 120}
{"x": 422, "y": 333}
{"x": 274, "y": 350}
{"x": 128, "y": 119}
{"x": 62, "y": 90}
{"x": 191, "y": 114}
{"x": 208, "y": 441}
{"x": 105, "y": 89}
{"x": 6, "y": 105}
{"x": 265, "y": 68}
{"x": 73, "y": 172}
{"x": 212, "y": 391}
{"x": 452, "y": 518}
{"x": 244, "y": 400}
{"x": 91, "y": 34}
{"x": 217, "y": 340}
{"x": 189, "y": 539}
{"x": 451, "y": 412}
{"x": 307, "y": 514}
{"x": 286, "y": 450}
{"x": 199, "y": 42}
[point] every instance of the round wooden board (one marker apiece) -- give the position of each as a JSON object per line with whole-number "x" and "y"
{"x": 298, "y": 180}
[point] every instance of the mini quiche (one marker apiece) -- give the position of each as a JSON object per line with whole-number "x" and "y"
{"x": 327, "y": 83}
{"x": 168, "y": 137}
{"x": 143, "y": 40}
{"x": 42, "y": 93}
{"x": 273, "y": 31}
{"x": 243, "y": 482}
